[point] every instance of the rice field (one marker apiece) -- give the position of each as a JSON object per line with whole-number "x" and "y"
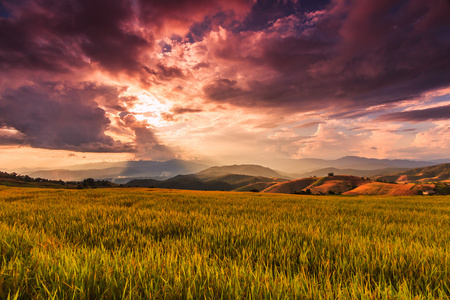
{"x": 140, "y": 243}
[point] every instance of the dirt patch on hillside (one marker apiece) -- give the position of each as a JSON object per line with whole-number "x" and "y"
{"x": 392, "y": 189}
{"x": 319, "y": 185}
{"x": 338, "y": 184}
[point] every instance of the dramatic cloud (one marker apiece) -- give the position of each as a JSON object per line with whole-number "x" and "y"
{"x": 435, "y": 138}
{"x": 55, "y": 116}
{"x": 59, "y": 35}
{"x": 285, "y": 78}
{"x": 430, "y": 114}
{"x": 356, "y": 53}
{"x": 147, "y": 145}
{"x": 10, "y": 136}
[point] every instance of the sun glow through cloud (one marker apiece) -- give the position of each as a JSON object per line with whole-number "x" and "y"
{"x": 148, "y": 108}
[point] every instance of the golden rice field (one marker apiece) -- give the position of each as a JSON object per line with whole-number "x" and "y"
{"x": 168, "y": 244}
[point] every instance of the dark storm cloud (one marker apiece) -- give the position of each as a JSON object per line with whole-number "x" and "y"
{"x": 181, "y": 14}
{"x": 56, "y": 36}
{"x": 53, "y": 35}
{"x": 54, "y": 116}
{"x": 11, "y": 137}
{"x": 223, "y": 89}
{"x": 105, "y": 40}
{"x": 19, "y": 48}
{"x": 353, "y": 54}
{"x": 265, "y": 12}
{"x": 429, "y": 114}
{"x": 166, "y": 72}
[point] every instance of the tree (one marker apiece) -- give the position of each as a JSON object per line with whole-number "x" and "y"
{"x": 88, "y": 182}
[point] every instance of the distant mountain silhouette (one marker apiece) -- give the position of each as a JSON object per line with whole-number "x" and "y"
{"x": 123, "y": 171}
{"x": 353, "y": 172}
{"x": 300, "y": 166}
{"x": 441, "y": 161}
{"x": 435, "y": 178}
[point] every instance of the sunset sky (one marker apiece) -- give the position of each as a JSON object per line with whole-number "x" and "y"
{"x": 234, "y": 81}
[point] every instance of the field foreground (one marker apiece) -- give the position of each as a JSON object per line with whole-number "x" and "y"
{"x": 150, "y": 243}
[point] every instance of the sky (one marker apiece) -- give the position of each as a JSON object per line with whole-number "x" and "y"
{"x": 235, "y": 81}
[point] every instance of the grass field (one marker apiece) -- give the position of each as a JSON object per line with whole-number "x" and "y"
{"x": 150, "y": 243}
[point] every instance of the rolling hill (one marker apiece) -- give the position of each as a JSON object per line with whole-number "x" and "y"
{"x": 251, "y": 170}
{"x": 255, "y": 187}
{"x": 318, "y": 185}
{"x": 432, "y": 173}
{"x": 352, "y": 185}
{"x": 391, "y": 189}
{"x": 213, "y": 182}
{"x": 121, "y": 172}
{"x": 290, "y": 187}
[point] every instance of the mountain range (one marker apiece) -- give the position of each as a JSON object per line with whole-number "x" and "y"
{"x": 298, "y": 166}
{"x": 388, "y": 181}
{"x": 122, "y": 172}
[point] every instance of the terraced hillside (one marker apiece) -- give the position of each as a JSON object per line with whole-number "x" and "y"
{"x": 427, "y": 174}
{"x": 318, "y": 185}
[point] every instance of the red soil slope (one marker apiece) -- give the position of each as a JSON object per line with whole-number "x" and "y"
{"x": 318, "y": 185}
{"x": 380, "y": 188}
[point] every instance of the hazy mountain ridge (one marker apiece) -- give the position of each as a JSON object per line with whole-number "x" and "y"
{"x": 299, "y": 166}
{"x": 353, "y": 172}
{"x": 122, "y": 170}
{"x": 216, "y": 178}
{"x": 287, "y": 168}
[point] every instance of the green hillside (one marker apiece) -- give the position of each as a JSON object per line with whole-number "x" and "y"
{"x": 251, "y": 170}
{"x": 204, "y": 181}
